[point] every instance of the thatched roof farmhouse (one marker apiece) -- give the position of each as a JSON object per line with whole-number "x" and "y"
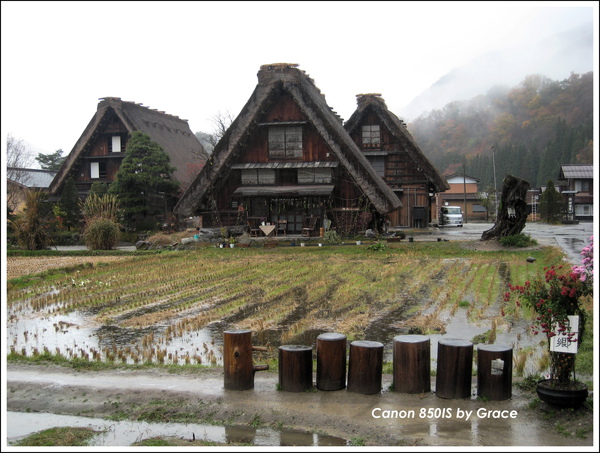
{"x": 390, "y": 148}
{"x": 100, "y": 150}
{"x": 288, "y": 157}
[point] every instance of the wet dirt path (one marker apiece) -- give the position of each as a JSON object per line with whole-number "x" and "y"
{"x": 421, "y": 420}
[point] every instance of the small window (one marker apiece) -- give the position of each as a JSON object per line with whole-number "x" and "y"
{"x": 285, "y": 142}
{"x": 371, "y": 136}
{"x": 314, "y": 176}
{"x": 584, "y": 209}
{"x": 115, "y": 144}
{"x": 266, "y": 176}
{"x": 378, "y": 164}
{"x": 98, "y": 170}
{"x": 582, "y": 185}
{"x": 260, "y": 176}
{"x": 249, "y": 177}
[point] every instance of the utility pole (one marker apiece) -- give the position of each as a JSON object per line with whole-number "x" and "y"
{"x": 465, "y": 192}
{"x": 495, "y": 189}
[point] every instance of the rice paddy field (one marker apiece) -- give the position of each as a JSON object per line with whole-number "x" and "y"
{"x": 172, "y": 307}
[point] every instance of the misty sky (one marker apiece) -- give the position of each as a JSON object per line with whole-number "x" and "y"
{"x": 198, "y": 59}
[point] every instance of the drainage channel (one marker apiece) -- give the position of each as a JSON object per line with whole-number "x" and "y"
{"x": 126, "y": 433}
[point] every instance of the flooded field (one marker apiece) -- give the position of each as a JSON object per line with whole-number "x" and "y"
{"x": 172, "y": 308}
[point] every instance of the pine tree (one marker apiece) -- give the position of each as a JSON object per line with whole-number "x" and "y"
{"x": 551, "y": 204}
{"x": 144, "y": 182}
{"x": 98, "y": 188}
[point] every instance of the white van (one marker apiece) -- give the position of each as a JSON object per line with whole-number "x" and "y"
{"x": 451, "y": 216}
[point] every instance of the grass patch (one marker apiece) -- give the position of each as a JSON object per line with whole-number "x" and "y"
{"x": 518, "y": 240}
{"x": 59, "y": 437}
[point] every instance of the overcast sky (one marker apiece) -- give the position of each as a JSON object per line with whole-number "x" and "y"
{"x": 198, "y": 59}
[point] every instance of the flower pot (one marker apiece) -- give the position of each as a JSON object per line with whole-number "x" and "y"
{"x": 232, "y": 245}
{"x": 358, "y": 242}
{"x": 572, "y": 396}
{"x": 320, "y": 245}
{"x": 302, "y": 244}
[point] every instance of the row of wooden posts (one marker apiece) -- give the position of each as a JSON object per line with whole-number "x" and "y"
{"x": 411, "y": 366}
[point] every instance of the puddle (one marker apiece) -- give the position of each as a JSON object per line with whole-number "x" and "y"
{"x": 125, "y": 433}
{"x": 77, "y": 335}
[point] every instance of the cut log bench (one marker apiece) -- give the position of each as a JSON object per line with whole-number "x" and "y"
{"x": 494, "y": 372}
{"x": 331, "y": 361}
{"x": 295, "y": 368}
{"x": 454, "y": 368}
{"x": 365, "y": 367}
{"x": 237, "y": 359}
{"x": 412, "y": 364}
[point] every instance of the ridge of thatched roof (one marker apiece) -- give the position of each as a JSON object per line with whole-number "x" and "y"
{"x": 274, "y": 79}
{"x": 172, "y": 133}
{"x": 397, "y": 127}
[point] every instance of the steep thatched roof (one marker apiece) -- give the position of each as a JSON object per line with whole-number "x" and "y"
{"x": 374, "y": 102}
{"x": 274, "y": 80}
{"x": 172, "y": 133}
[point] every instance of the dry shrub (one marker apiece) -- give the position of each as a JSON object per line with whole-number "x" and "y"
{"x": 101, "y": 234}
{"x": 161, "y": 239}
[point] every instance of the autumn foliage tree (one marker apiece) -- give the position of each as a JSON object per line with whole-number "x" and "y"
{"x": 535, "y": 127}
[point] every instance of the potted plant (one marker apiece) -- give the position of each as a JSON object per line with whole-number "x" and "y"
{"x": 554, "y": 298}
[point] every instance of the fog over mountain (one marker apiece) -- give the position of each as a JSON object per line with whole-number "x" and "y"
{"x": 555, "y": 57}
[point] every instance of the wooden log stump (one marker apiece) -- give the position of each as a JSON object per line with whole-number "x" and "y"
{"x": 412, "y": 364}
{"x": 365, "y": 367}
{"x": 295, "y": 368}
{"x": 237, "y": 360}
{"x": 494, "y": 372}
{"x": 454, "y": 368}
{"x": 331, "y": 361}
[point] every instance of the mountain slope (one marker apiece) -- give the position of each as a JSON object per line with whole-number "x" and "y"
{"x": 554, "y": 57}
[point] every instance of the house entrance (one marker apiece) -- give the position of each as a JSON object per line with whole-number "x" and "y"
{"x": 294, "y": 210}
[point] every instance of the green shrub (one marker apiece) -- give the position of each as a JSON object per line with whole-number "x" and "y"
{"x": 101, "y": 234}
{"x": 518, "y": 240}
{"x": 377, "y": 246}
{"x": 332, "y": 237}
{"x": 63, "y": 237}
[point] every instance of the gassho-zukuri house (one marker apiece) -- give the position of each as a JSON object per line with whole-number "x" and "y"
{"x": 390, "y": 148}
{"x": 287, "y": 156}
{"x": 97, "y": 155}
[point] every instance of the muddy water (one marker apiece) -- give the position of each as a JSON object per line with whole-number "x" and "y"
{"x": 78, "y": 335}
{"x": 125, "y": 433}
{"x": 422, "y": 419}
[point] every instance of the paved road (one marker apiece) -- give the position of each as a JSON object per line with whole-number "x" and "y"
{"x": 571, "y": 238}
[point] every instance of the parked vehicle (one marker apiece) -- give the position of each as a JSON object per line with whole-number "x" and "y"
{"x": 451, "y": 216}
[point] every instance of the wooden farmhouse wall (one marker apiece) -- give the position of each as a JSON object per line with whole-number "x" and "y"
{"x": 100, "y": 162}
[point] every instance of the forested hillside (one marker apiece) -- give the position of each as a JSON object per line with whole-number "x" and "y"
{"x": 533, "y": 128}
